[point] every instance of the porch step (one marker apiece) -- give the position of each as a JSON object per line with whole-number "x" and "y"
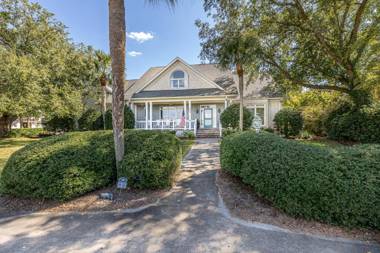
{"x": 208, "y": 133}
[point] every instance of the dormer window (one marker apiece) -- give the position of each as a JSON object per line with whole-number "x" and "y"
{"x": 177, "y": 80}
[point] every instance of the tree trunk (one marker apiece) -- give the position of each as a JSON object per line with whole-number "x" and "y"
{"x": 240, "y": 72}
{"x": 117, "y": 41}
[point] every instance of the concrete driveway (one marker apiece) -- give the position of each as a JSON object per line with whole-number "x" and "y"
{"x": 190, "y": 219}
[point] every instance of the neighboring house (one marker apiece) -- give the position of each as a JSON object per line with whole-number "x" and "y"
{"x": 192, "y": 97}
{"x": 30, "y": 122}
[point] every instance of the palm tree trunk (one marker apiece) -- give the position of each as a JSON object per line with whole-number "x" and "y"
{"x": 117, "y": 41}
{"x": 240, "y": 72}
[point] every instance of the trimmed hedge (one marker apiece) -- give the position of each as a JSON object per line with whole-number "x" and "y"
{"x": 230, "y": 117}
{"x": 60, "y": 124}
{"x": 289, "y": 122}
{"x": 88, "y": 120}
{"x": 152, "y": 159}
{"x": 66, "y": 166}
{"x": 334, "y": 185}
{"x": 353, "y": 124}
{"x": 129, "y": 119}
{"x": 61, "y": 167}
{"x": 27, "y": 132}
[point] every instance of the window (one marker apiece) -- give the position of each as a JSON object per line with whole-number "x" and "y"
{"x": 258, "y": 110}
{"x": 177, "y": 79}
{"x": 171, "y": 112}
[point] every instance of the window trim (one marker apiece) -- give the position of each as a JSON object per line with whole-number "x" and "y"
{"x": 178, "y": 79}
{"x": 261, "y": 106}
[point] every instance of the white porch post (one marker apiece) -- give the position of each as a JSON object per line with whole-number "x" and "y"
{"x": 185, "y": 111}
{"x": 146, "y": 115}
{"x": 190, "y": 114}
{"x": 225, "y": 103}
{"x": 135, "y": 112}
{"x": 150, "y": 114}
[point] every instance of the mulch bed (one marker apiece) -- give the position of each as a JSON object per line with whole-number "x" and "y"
{"x": 243, "y": 203}
{"x": 88, "y": 203}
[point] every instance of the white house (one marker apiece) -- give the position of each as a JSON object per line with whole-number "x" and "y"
{"x": 192, "y": 97}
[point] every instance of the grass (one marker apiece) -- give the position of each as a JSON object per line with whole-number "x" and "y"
{"x": 10, "y": 145}
{"x": 186, "y": 146}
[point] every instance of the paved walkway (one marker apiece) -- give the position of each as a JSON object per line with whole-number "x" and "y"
{"x": 188, "y": 220}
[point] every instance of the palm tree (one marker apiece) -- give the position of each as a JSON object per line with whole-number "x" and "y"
{"x": 117, "y": 40}
{"x": 102, "y": 65}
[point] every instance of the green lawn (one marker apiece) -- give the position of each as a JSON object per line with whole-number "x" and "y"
{"x": 186, "y": 146}
{"x": 9, "y": 145}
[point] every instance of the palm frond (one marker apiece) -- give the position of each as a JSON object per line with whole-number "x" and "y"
{"x": 170, "y": 3}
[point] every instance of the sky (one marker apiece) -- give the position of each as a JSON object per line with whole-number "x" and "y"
{"x": 156, "y": 34}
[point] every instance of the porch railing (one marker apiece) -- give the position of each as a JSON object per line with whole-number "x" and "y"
{"x": 167, "y": 125}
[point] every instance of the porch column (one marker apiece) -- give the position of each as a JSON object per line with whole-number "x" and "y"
{"x": 150, "y": 114}
{"x": 190, "y": 114}
{"x": 225, "y": 103}
{"x": 146, "y": 115}
{"x": 135, "y": 113}
{"x": 185, "y": 111}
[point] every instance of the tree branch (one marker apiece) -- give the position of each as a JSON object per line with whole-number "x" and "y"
{"x": 302, "y": 82}
{"x": 320, "y": 38}
{"x": 358, "y": 20}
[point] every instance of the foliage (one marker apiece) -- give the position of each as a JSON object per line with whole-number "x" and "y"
{"x": 27, "y": 132}
{"x": 88, "y": 120}
{"x": 352, "y": 124}
{"x": 186, "y": 146}
{"x": 129, "y": 118}
{"x": 225, "y": 42}
{"x": 60, "y": 124}
{"x": 189, "y": 135}
{"x": 314, "y": 106}
{"x": 151, "y": 159}
{"x": 42, "y": 71}
{"x": 337, "y": 185}
{"x": 61, "y": 167}
{"x": 289, "y": 122}
{"x": 230, "y": 117}
{"x": 326, "y": 45}
{"x": 228, "y": 131}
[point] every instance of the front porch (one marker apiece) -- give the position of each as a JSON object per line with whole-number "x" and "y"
{"x": 179, "y": 115}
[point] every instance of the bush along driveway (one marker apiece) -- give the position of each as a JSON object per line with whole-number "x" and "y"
{"x": 189, "y": 219}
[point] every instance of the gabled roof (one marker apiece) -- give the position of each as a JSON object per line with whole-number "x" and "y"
{"x": 177, "y": 59}
{"x": 223, "y": 80}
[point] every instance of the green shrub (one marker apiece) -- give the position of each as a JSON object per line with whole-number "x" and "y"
{"x": 27, "y": 132}
{"x": 229, "y": 131}
{"x": 129, "y": 119}
{"x": 61, "y": 167}
{"x": 230, "y": 117}
{"x": 288, "y": 122}
{"x": 268, "y": 129}
{"x": 151, "y": 160}
{"x": 189, "y": 135}
{"x": 338, "y": 185}
{"x": 60, "y": 124}
{"x": 313, "y": 117}
{"x": 353, "y": 124}
{"x": 88, "y": 120}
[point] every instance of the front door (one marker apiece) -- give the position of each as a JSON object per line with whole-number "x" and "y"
{"x": 208, "y": 117}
